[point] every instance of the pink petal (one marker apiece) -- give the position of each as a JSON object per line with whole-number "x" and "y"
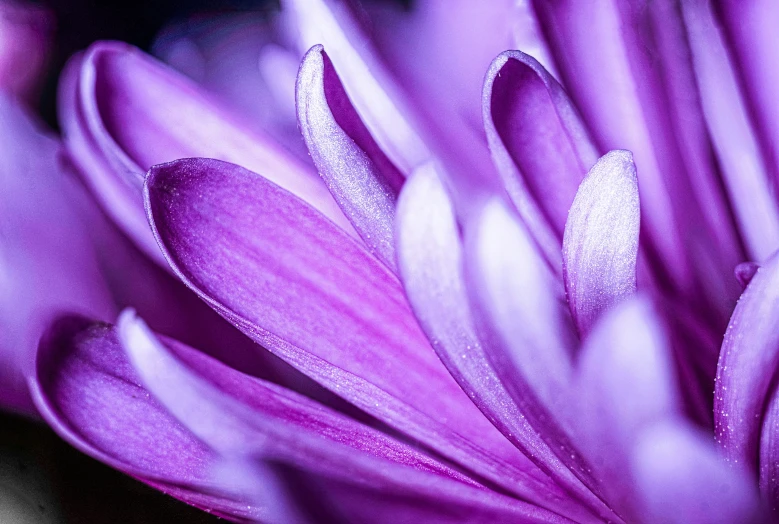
{"x": 360, "y": 177}
{"x": 600, "y": 244}
{"x": 282, "y": 273}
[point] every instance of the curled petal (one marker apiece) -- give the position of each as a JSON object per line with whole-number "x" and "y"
{"x": 430, "y": 262}
{"x": 122, "y": 112}
{"x": 244, "y": 418}
{"x": 681, "y": 478}
{"x": 745, "y": 372}
{"x": 317, "y": 299}
{"x": 600, "y": 244}
{"x": 538, "y": 142}
{"x": 360, "y": 177}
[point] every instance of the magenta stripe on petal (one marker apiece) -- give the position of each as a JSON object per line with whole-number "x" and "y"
{"x": 600, "y": 244}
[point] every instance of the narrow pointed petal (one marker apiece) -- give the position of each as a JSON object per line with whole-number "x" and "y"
{"x": 744, "y": 170}
{"x": 627, "y": 68}
{"x": 750, "y": 29}
{"x": 110, "y": 110}
{"x": 430, "y": 262}
{"x": 538, "y": 142}
{"x": 600, "y": 244}
{"x": 524, "y": 326}
{"x": 240, "y": 417}
{"x": 745, "y": 372}
{"x": 317, "y": 299}
{"x": 48, "y": 263}
{"x": 681, "y": 479}
{"x": 369, "y": 86}
{"x": 358, "y": 174}
{"x": 625, "y": 384}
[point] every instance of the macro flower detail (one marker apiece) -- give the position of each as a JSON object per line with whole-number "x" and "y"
{"x": 545, "y": 296}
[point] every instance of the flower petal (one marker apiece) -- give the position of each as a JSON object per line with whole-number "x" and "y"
{"x": 745, "y": 372}
{"x": 430, "y": 261}
{"x": 241, "y": 417}
{"x": 360, "y": 177}
{"x": 627, "y": 67}
{"x": 743, "y": 168}
{"x": 317, "y": 299}
{"x": 750, "y": 32}
{"x": 538, "y": 142}
{"x": 377, "y": 99}
{"x": 769, "y": 454}
{"x": 88, "y": 392}
{"x": 682, "y": 479}
{"x": 624, "y": 385}
{"x": 524, "y": 326}
{"x": 48, "y": 263}
{"x": 600, "y": 244}
{"x": 122, "y": 112}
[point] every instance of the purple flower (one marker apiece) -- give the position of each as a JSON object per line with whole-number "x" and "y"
{"x": 475, "y": 302}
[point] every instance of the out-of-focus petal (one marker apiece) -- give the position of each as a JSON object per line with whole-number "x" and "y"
{"x": 745, "y": 272}
{"x": 681, "y": 479}
{"x": 282, "y": 273}
{"x": 369, "y": 86}
{"x": 241, "y": 417}
{"x": 360, "y": 177}
{"x": 600, "y": 244}
{"x": 523, "y": 322}
{"x": 625, "y": 384}
{"x": 47, "y": 262}
{"x": 25, "y": 36}
{"x": 750, "y": 29}
{"x": 122, "y": 112}
{"x": 743, "y": 168}
{"x": 746, "y": 368}
{"x": 769, "y": 454}
{"x": 246, "y": 61}
{"x": 430, "y": 262}
{"x": 538, "y": 142}
{"x": 627, "y": 67}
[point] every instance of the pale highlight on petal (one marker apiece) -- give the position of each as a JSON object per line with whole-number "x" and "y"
{"x": 361, "y": 179}
{"x": 600, "y": 244}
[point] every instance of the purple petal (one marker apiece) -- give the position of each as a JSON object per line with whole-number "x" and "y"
{"x": 745, "y": 272}
{"x": 123, "y": 112}
{"x": 600, "y": 244}
{"x": 769, "y": 454}
{"x": 743, "y": 168}
{"x": 360, "y": 177}
{"x": 369, "y": 86}
{"x": 317, "y": 299}
{"x": 538, "y": 142}
{"x": 750, "y": 29}
{"x": 628, "y": 70}
{"x": 88, "y": 392}
{"x": 48, "y": 263}
{"x": 430, "y": 262}
{"x": 27, "y": 30}
{"x": 239, "y": 416}
{"x": 524, "y": 325}
{"x": 682, "y": 479}
{"x": 625, "y": 384}
{"x": 745, "y": 372}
